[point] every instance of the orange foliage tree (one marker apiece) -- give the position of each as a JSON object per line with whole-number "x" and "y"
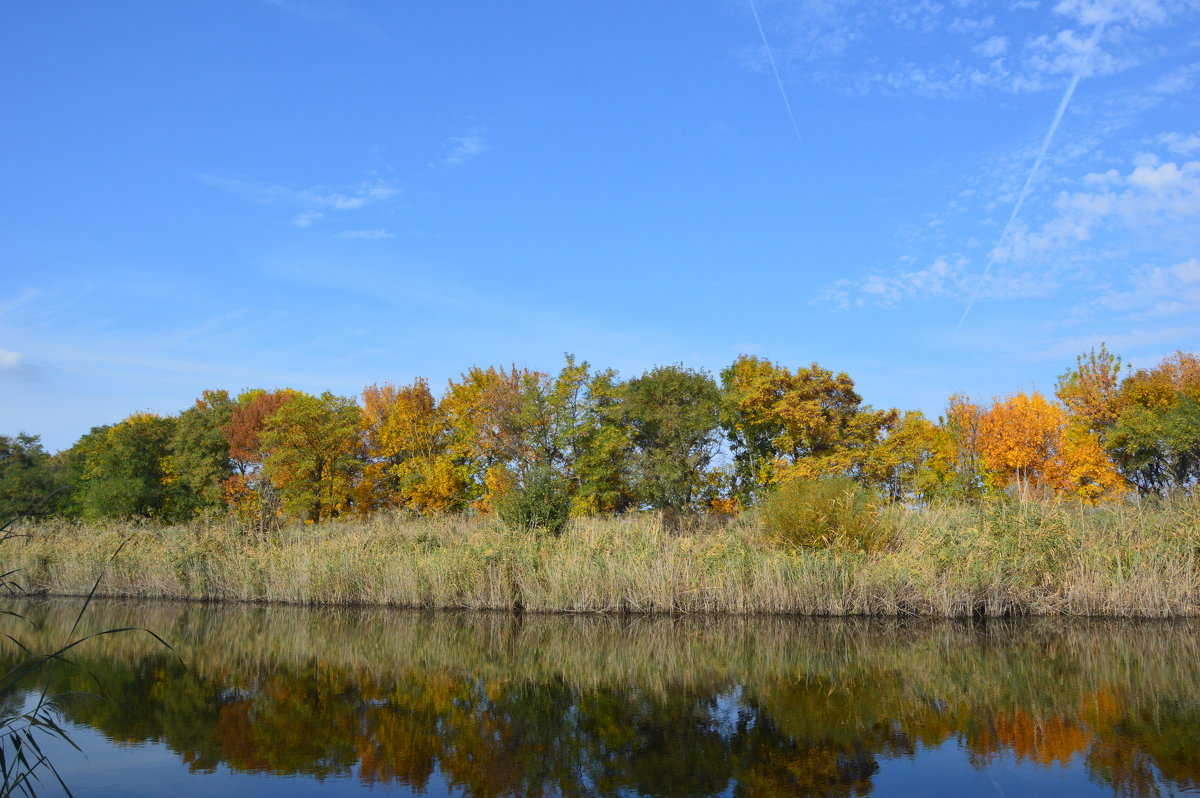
{"x": 1026, "y": 442}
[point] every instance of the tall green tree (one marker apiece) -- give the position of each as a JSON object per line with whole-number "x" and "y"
{"x": 122, "y": 469}
{"x": 673, "y": 414}
{"x": 199, "y": 462}
{"x": 603, "y": 466}
{"x": 28, "y": 478}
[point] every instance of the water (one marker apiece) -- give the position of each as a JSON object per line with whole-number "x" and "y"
{"x": 293, "y": 701}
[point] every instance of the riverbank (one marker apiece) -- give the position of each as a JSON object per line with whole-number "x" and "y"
{"x": 1123, "y": 560}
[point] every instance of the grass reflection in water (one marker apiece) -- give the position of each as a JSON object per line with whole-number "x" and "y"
{"x": 505, "y": 705}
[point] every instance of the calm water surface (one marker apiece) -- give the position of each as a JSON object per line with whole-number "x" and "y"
{"x": 293, "y": 701}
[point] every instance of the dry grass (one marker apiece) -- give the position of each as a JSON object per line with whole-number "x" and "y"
{"x": 1136, "y": 560}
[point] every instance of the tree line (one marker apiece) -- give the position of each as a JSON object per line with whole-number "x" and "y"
{"x": 673, "y": 438}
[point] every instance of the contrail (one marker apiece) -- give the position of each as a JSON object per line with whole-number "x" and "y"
{"x": 1058, "y": 115}
{"x": 775, "y": 69}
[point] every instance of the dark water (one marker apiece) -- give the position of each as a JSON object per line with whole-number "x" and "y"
{"x": 292, "y": 701}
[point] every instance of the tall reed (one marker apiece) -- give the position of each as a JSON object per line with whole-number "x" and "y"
{"x": 1123, "y": 560}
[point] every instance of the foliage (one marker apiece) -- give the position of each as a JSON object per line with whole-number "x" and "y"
{"x": 603, "y": 461}
{"x": 408, "y": 459}
{"x": 824, "y": 512}
{"x": 27, "y": 476}
{"x": 124, "y": 469}
{"x": 541, "y": 501}
{"x": 803, "y": 423}
{"x": 311, "y": 447}
{"x": 673, "y": 414}
{"x": 1155, "y": 439}
{"x": 670, "y": 439}
{"x": 1089, "y": 392}
{"x": 199, "y": 464}
{"x": 908, "y": 462}
{"x": 1027, "y": 442}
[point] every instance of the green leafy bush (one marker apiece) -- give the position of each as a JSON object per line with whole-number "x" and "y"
{"x": 541, "y": 501}
{"x": 828, "y": 512}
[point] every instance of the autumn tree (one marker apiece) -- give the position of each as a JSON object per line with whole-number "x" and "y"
{"x": 604, "y": 451}
{"x": 961, "y": 473}
{"x": 249, "y": 491}
{"x": 1155, "y": 439}
{"x": 312, "y": 454}
{"x": 1026, "y": 442}
{"x": 1089, "y": 392}
{"x": 803, "y": 423}
{"x": 908, "y": 463}
{"x": 483, "y": 410}
{"x": 247, "y": 422}
{"x": 409, "y": 461}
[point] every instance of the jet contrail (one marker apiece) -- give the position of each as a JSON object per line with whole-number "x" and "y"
{"x": 775, "y": 69}
{"x": 1058, "y": 115}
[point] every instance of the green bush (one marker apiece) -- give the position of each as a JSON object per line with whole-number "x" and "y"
{"x": 541, "y": 501}
{"x": 828, "y": 512}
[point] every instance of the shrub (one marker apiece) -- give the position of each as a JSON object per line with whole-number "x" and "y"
{"x": 540, "y": 501}
{"x": 828, "y": 512}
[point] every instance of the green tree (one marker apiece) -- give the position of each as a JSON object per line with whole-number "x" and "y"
{"x": 28, "y": 477}
{"x": 673, "y": 414}
{"x": 199, "y": 463}
{"x": 604, "y": 449}
{"x": 121, "y": 469}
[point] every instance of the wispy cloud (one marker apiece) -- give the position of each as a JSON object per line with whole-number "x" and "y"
{"x": 464, "y": 148}
{"x": 841, "y": 44}
{"x": 1152, "y": 193}
{"x": 313, "y": 202}
{"x": 365, "y": 234}
{"x": 10, "y": 359}
{"x": 14, "y": 366}
{"x": 1158, "y": 291}
{"x": 1181, "y": 144}
{"x": 947, "y": 277}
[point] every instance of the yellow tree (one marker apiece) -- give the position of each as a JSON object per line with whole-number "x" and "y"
{"x": 312, "y": 451}
{"x": 407, "y": 439}
{"x": 1090, "y": 390}
{"x": 803, "y": 423}
{"x": 909, "y": 462}
{"x": 483, "y": 414}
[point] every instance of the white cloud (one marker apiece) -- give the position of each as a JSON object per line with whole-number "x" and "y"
{"x": 1159, "y": 291}
{"x": 995, "y": 46}
{"x": 1181, "y": 144}
{"x": 464, "y": 148}
{"x": 313, "y": 202}
{"x": 846, "y": 45}
{"x": 10, "y": 359}
{"x": 369, "y": 234}
{"x": 948, "y": 276}
{"x": 1152, "y": 193}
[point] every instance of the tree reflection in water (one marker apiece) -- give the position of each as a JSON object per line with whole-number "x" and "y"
{"x": 504, "y": 705}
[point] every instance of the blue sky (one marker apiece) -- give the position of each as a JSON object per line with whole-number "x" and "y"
{"x": 324, "y": 194}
